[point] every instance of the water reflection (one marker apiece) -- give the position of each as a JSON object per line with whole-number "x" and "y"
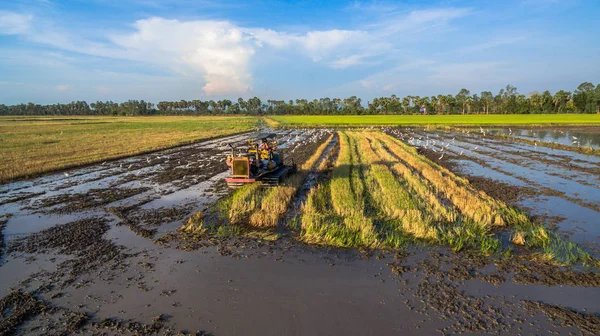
{"x": 571, "y": 136}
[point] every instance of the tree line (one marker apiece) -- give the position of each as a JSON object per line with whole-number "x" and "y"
{"x": 585, "y": 99}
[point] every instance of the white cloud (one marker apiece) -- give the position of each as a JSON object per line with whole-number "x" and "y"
{"x": 344, "y": 62}
{"x": 218, "y": 50}
{"x": 219, "y": 54}
{"x": 13, "y": 23}
{"x": 317, "y": 44}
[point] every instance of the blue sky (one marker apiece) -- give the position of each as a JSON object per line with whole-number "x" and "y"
{"x": 58, "y": 51}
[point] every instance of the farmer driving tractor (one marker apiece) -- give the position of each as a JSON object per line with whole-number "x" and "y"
{"x": 262, "y": 162}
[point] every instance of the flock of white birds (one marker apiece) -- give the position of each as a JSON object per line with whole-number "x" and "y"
{"x": 439, "y": 145}
{"x": 291, "y": 140}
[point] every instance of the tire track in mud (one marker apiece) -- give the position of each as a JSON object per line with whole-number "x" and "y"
{"x": 542, "y": 190}
{"x": 534, "y": 187}
{"x": 485, "y": 156}
{"x": 543, "y": 200}
{"x": 522, "y": 150}
{"x": 432, "y": 288}
{"x": 137, "y": 162}
{"x": 131, "y": 182}
{"x": 321, "y": 167}
{"x": 143, "y": 222}
{"x": 533, "y": 156}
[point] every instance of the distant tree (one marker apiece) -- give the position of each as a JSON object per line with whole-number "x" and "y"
{"x": 597, "y": 98}
{"x": 584, "y": 98}
{"x": 405, "y": 104}
{"x": 435, "y": 104}
{"x": 560, "y": 100}
{"x": 461, "y": 98}
{"x": 487, "y": 98}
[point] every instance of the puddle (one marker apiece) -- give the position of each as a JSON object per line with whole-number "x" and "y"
{"x": 571, "y": 136}
{"x": 569, "y": 181}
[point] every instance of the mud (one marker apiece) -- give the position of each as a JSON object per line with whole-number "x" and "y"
{"x": 589, "y": 324}
{"x": 3, "y": 222}
{"x": 505, "y": 192}
{"x": 556, "y": 186}
{"x": 145, "y": 222}
{"x": 98, "y": 252}
{"x": 82, "y": 201}
{"x": 20, "y": 196}
{"x": 83, "y": 240}
{"x": 17, "y": 308}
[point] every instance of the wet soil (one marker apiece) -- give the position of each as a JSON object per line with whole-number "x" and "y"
{"x": 557, "y": 187}
{"x": 17, "y": 308}
{"x": 3, "y": 222}
{"x": 505, "y": 192}
{"x": 144, "y": 222}
{"x": 588, "y": 324}
{"x": 90, "y": 199}
{"x": 112, "y": 262}
{"x": 19, "y": 196}
{"x": 83, "y": 240}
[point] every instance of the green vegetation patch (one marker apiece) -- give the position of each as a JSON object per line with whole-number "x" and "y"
{"x": 31, "y": 146}
{"x": 451, "y": 120}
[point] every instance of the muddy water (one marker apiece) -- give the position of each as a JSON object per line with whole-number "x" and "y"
{"x": 571, "y": 136}
{"x": 259, "y": 295}
{"x": 244, "y": 287}
{"x": 561, "y": 185}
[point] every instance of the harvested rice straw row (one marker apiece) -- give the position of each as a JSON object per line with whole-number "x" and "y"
{"x": 277, "y": 200}
{"x": 474, "y": 204}
{"x": 421, "y": 188}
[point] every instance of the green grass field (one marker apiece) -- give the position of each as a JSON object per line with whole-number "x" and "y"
{"x": 34, "y": 145}
{"x": 450, "y": 120}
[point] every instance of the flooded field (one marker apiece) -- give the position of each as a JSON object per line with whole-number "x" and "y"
{"x": 559, "y": 186}
{"x": 570, "y": 136}
{"x": 91, "y": 250}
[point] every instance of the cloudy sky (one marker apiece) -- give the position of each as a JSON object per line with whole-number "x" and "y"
{"x": 63, "y": 50}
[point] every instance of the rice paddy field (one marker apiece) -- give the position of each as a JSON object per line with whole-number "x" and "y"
{"x": 428, "y": 120}
{"x": 382, "y": 230}
{"x": 34, "y": 145}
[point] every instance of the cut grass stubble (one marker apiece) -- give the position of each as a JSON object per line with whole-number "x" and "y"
{"x": 255, "y": 206}
{"x": 412, "y": 198}
{"x": 383, "y": 194}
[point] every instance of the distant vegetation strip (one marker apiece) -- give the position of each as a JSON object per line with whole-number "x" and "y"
{"x": 585, "y": 99}
{"x": 440, "y": 120}
{"x": 31, "y": 146}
